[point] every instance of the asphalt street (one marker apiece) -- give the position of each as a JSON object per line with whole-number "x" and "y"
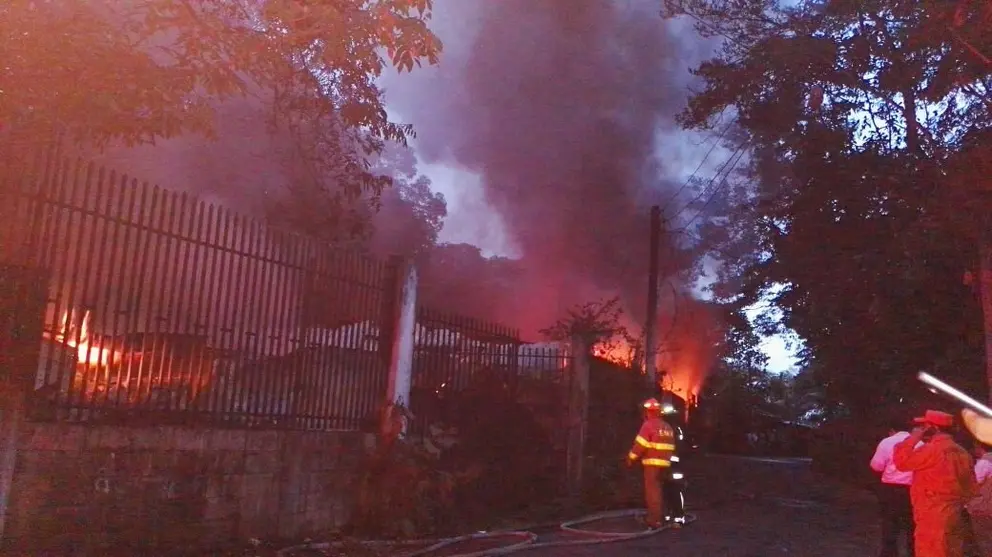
{"x": 757, "y": 507}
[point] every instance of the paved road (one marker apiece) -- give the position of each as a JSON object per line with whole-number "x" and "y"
{"x": 757, "y": 508}
{"x": 746, "y": 507}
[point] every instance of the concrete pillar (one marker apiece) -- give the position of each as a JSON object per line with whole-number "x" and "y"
{"x": 399, "y": 330}
{"x": 23, "y": 295}
{"x": 578, "y": 415}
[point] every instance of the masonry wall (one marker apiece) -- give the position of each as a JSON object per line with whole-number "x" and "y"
{"x": 105, "y": 488}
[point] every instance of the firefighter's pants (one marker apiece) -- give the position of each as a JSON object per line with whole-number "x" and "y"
{"x": 652, "y": 493}
{"x": 674, "y": 498}
{"x": 940, "y": 528}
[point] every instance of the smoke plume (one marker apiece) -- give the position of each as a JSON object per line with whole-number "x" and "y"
{"x": 565, "y": 109}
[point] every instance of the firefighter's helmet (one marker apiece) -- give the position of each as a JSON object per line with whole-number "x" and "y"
{"x": 651, "y": 404}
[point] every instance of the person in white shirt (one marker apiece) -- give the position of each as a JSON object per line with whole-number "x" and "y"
{"x": 893, "y": 494}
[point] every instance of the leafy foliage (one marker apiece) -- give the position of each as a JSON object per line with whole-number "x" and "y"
{"x": 410, "y": 213}
{"x": 592, "y": 321}
{"x": 492, "y": 455}
{"x": 848, "y": 216}
{"x": 109, "y": 74}
{"x": 599, "y": 325}
{"x": 615, "y": 397}
{"x": 459, "y": 278}
{"x": 407, "y": 493}
{"x": 139, "y": 71}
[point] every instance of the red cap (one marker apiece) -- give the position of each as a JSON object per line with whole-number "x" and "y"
{"x": 933, "y": 417}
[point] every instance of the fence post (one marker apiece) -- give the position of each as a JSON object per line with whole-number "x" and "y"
{"x": 399, "y": 329}
{"x": 23, "y": 295}
{"x": 578, "y": 415}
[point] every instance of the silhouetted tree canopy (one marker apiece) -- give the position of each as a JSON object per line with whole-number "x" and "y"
{"x": 854, "y": 209}
{"x": 125, "y": 73}
{"x": 139, "y": 71}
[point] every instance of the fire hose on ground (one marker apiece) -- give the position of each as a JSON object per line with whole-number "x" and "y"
{"x": 527, "y": 540}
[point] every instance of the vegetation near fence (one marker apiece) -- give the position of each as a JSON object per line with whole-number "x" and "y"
{"x": 165, "y": 307}
{"x": 486, "y": 439}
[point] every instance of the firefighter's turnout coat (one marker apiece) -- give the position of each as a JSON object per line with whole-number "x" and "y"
{"x": 943, "y": 481}
{"x": 654, "y": 444}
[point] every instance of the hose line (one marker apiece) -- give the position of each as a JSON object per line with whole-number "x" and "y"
{"x": 526, "y": 540}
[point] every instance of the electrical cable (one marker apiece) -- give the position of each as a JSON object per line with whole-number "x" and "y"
{"x": 529, "y": 540}
{"x": 713, "y": 179}
{"x": 688, "y": 180}
{"x": 739, "y": 153}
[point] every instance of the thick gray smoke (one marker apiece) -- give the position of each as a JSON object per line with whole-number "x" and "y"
{"x": 565, "y": 109}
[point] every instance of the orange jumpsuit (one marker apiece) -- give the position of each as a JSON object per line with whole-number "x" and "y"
{"x": 654, "y": 445}
{"x": 943, "y": 480}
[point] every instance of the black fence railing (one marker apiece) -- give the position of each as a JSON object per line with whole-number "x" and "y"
{"x": 170, "y": 309}
{"x": 454, "y": 355}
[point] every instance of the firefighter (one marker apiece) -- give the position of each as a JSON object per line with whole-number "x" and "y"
{"x": 673, "y": 489}
{"x": 943, "y": 481}
{"x": 653, "y": 447}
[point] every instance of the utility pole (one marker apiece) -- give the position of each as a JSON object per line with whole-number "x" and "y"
{"x": 578, "y": 416}
{"x": 650, "y": 323}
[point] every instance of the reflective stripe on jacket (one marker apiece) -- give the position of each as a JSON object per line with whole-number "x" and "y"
{"x": 654, "y": 444}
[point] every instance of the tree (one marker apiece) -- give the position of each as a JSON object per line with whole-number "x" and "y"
{"x": 129, "y": 73}
{"x": 410, "y": 214}
{"x": 741, "y": 349}
{"x": 460, "y": 279}
{"x": 139, "y": 71}
{"x": 842, "y": 214}
{"x": 599, "y": 325}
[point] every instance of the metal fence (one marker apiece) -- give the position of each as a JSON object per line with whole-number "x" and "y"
{"x": 453, "y": 354}
{"x": 164, "y": 307}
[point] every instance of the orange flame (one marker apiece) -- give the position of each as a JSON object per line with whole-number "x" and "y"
{"x": 616, "y": 351}
{"x": 682, "y": 382}
{"x": 688, "y": 352}
{"x": 680, "y": 374}
{"x": 87, "y": 354}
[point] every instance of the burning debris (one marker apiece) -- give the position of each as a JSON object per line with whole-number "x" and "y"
{"x": 73, "y": 331}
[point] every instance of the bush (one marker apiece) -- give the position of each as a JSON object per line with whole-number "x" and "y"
{"x": 519, "y": 460}
{"x": 479, "y": 454}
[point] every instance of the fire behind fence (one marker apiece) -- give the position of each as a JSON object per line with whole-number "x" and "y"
{"x": 162, "y": 307}
{"x": 455, "y": 355}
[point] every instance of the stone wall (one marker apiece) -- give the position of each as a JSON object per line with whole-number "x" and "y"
{"x": 103, "y": 488}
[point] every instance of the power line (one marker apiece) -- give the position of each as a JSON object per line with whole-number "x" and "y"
{"x": 688, "y": 180}
{"x": 725, "y": 169}
{"x": 739, "y": 153}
